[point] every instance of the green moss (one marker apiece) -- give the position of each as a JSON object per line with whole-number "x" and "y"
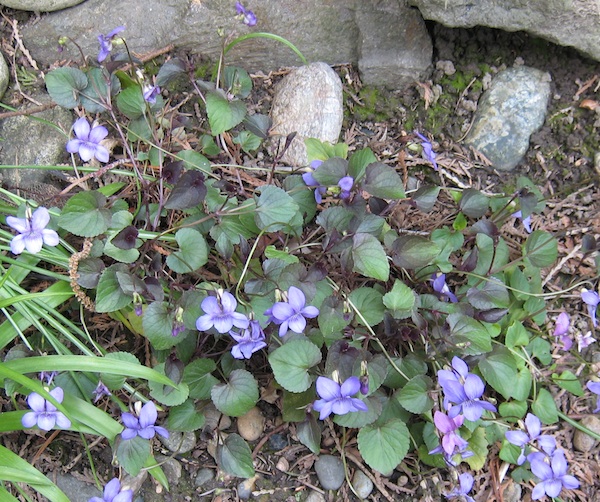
{"x": 376, "y": 105}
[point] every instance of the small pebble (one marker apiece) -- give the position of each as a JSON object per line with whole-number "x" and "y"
{"x": 179, "y": 442}
{"x": 363, "y": 486}
{"x": 583, "y": 442}
{"x": 251, "y": 425}
{"x": 278, "y": 442}
{"x": 171, "y": 467}
{"x": 330, "y": 471}
{"x": 512, "y": 493}
{"x": 314, "y": 496}
{"x": 283, "y": 465}
{"x": 246, "y": 487}
{"x": 203, "y": 476}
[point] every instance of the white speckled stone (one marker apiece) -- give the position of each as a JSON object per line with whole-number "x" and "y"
{"x": 40, "y": 5}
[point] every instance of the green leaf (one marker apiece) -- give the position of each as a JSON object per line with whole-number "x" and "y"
{"x": 545, "y": 407}
{"x": 193, "y": 160}
{"x": 478, "y": 444}
{"x": 400, "y": 300}
{"x": 248, "y": 141}
{"x": 319, "y": 150}
{"x": 309, "y": 434}
{"x": 425, "y": 197}
{"x": 294, "y": 404}
{"x": 222, "y": 113}
{"x": 369, "y": 257}
{"x": 492, "y": 295}
{"x": 516, "y": 335}
{"x": 358, "y": 419}
{"x": 96, "y": 94}
{"x": 198, "y": 376}
{"x": 369, "y": 302}
{"x": 332, "y": 319}
{"x": 568, "y": 381}
{"x": 132, "y": 454}
{"x": 414, "y": 251}
{"x": 383, "y": 447}
{"x": 158, "y": 322}
{"x": 235, "y": 458}
{"x": 165, "y": 394}
{"x": 541, "y": 249}
{"x": 116, "y": 382}
{"x": 109, "y": 295}
{"x": 359, "y": 161}
{"x": 469, "y": 334}
{"x": 383, "y": 181}
{"x": 414, "y": 395}
{"x": 522, "y": 384}
{"x": 85, "y": 214}
{"x": 237, "y": 396}
{"x": 131, "y": 103}
{"x": 331, "y": 171}
{"x": 275, "y": 209}
{"x": 510, "y": 452}
{"x": 237, "y": 81}
{"x": 540, "y": 348}
{"x": 500, "y": 371}
{"x": 513, "y": 409}
{"x": 291, "y": 363}
{"x": 192, "y": 254}
{"x": 473, "y": 203}
{"x": 185, "y": 418}
{"x": 64, "y": 86}
{"x": 169, "y": 71}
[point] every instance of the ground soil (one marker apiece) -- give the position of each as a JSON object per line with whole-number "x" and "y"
{"x": 560, "y": 161}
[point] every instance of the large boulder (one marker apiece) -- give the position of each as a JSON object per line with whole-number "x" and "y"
{"x": 567, "y": 23}
{"x": 335, "y": 32}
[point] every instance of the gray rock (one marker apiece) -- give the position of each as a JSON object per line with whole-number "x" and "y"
{"x": 30, "y": 142}
{"x": 75, "y": 489}
{"x": 309, "y": 102}
{"x": 203, "y": 476}
{"x": 171, "y": 467}
{"x": 583, "y": 442}
{"x": 246, "y": 487}
{"x": 323, "y": 31}
{"x": 508, "y": 113}
{"x": 4, "y": 76}
{"x": 512, "y": 492}
{"x": 567, "y": 23}
{"x": 362, "y": 484}
{"x": 314, "y": 496}
{"x": 330, "y": 471}
{"x": 39, "y": 5}
{"x": 395, "y": 48}
{"x": 179, "y": 442}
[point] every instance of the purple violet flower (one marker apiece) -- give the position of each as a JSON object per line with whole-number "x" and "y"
{"x": 150, "y": 93}
{"x": 220, "y": 313}
{"x": 106, "y": 43}
{"x": 553, "y": 476}
{"x": 345, "y": 185}
{"x": 466, "y": 483}
{"x": 428, "y": 153}
{"x": 450, "y": 439}
{"x": 249, "y": 341}
{"x": 440, "y": 287}
{"x": 561, "y": 330}
{"x": 595, "y": 388}
{"x": 310, "y": 181}
{"x": 100, "y": 391}
{"x": 33, "y": 233}
{"x": 47, "y": 377}
{"x": 526, "y": 220}
{"x": 584, "y": 341}
{"x": 293, "y": 313}
{"x": 534, "y": 429}
{"x": 143, "y": 424}
{"x": 113, "y": 493}
{"x": 248, "y": 17}
{"x": 336, "y": 398}
{"x": 87, "y": 141}
{"x": 44, "y": 413}
{"x": 591, "y": 299}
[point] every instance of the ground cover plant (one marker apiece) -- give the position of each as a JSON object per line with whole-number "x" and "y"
{"x": 428, "y": 344}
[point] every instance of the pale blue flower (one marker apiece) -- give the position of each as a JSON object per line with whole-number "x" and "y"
{"x": 45, "y": 415}
{"x": 142, "y": 425}
{"x": 113, "y": 493}
{"x": 87, "y": 141}
{"x": 33, "y": 233}
{"x": 336, "y": 398}
{"x": 221, "y": 314}
{"x": 106, "y": 43}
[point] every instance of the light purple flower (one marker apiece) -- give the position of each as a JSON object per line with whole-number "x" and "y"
{"x": 87, "y": 141}
{"x": 47, "y": 377}
{"x": 310, "y": 181}
{"x": 220, "y": 313}
{"x": 345, "y": 185}
{"x": 112, "y": 493}
{"x": 561, "y": 330}
{"x": 553, "y": 476}
{"x": 450, "y": 439}
{"x": 293, "y": 313}
{"x": 428, "y": 153}
{"x": 526, "y": 220}
{"x": 591, "y": 299}
{"x": 534, "y": 428}
{"x": 143, "y": 424}
{"x": 336, "y": 398}
{"x": 33, "y": 233}
{"x": 595, "y": 388}
{"x": 584, "y": 341}
{"x": 466, "y": 483}
{"x": 440, "y": 287}
{"x": 106, "y": 43}
{"x": 249, "y": 341}
{"x": 248, "y": 16}
{"x": 44, "y": 413}
{"x": 100, "y": 391}
{"x": 150, "y": 93}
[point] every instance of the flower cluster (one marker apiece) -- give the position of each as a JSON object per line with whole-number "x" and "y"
{"x": 547, "y": 462}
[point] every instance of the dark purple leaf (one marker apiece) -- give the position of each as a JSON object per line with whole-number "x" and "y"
{"x": 188, "y": 192}
{"x": 126, "y": 238}
{"x": 172, "y": 171}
